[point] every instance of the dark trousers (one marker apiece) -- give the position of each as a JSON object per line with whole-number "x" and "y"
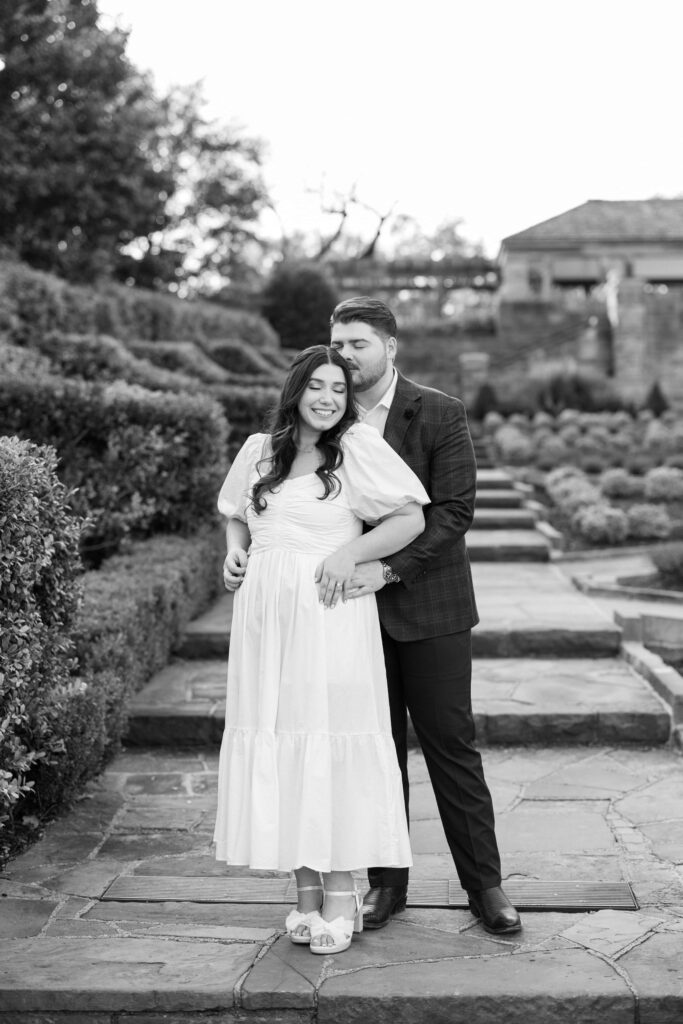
{"x": 432, "y": 679}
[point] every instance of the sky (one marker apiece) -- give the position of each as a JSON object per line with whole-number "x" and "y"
{"x": 500, "y": 112}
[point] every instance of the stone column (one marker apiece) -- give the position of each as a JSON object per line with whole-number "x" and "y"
{"x": 633, "y": 369}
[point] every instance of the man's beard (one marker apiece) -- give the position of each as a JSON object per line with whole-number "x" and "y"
{"x": 370, "y": 375}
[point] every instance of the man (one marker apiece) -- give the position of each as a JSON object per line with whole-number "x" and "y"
{"x": 427, "y": 609}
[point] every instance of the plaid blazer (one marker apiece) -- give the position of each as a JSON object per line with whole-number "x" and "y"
{"x": 435, "y": 596}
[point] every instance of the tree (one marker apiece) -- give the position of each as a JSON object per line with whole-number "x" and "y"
{"x": 408, "y": 239}
{"x": 298, "y": 301}
{"x": 209, "y": 237}
{"x": 79, "y": 136}
{"x": 99, "y": 176}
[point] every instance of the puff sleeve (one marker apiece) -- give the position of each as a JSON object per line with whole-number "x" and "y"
{"x": 375, "y": 479}
{"x": 234, "y": 494}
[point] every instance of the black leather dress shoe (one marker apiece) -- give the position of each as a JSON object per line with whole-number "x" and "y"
{"x": 495, "y": 910}
{"x": 381, "y": 902}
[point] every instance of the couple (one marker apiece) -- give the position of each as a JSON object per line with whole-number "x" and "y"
{"x": 339, "y": 631}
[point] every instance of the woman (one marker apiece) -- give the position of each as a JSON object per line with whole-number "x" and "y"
{"x": 308, "y": 776}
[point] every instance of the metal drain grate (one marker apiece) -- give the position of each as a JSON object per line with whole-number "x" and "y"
{"x": 526, "y": 894}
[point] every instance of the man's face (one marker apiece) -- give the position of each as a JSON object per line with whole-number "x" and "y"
{"x": 368, "y": 355}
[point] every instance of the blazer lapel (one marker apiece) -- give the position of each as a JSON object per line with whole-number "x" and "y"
{"x": 404, "y": 408}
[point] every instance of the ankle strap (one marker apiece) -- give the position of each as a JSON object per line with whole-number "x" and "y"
{"x": 345, "y": 892}
{"x": 309, "y": 888}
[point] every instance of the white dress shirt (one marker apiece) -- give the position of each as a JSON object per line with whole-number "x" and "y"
{"x": 377, "y": 416}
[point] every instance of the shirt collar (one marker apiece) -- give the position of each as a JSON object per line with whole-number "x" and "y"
{"x": 387, "y": 398}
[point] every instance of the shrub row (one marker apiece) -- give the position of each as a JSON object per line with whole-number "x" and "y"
{"x": 141, "y": 462}
{"x": 39, "y": 568}
{"x": 33, "y": 304}
{"x": 246, "y": 408}
{"x": 103, "y": 359}
{"x": 593, "y": 441}
{"x": 66, "y": 672}
{"x": 182, "y": 356}
{"x": 593, "y": 518}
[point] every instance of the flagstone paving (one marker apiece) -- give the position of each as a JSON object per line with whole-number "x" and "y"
{"x": 548, "y": 669}
{"x": 601, "y": 813}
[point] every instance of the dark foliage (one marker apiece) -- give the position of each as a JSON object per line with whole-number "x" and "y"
{"x": 298, "y": 301}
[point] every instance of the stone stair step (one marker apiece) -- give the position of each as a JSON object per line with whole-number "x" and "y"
{"x": 499, "y": 498}
{"x": 526, "y": 608}
{"x": 493, "y": 479}
{"x": 503, "y": 519}
{"x": 516, "y": 701}
{"x": 486, "y": 545}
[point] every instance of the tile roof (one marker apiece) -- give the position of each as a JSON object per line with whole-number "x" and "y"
{"x": 608, "y": 220}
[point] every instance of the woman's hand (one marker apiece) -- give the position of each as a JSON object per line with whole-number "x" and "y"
{"x": 332, "y": 577}
{"x": 234, "y": 568}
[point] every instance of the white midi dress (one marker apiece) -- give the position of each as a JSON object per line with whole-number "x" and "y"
{"x": 308, "y": 773}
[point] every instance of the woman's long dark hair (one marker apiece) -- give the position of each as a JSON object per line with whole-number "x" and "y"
{"x": 284, "y": 422}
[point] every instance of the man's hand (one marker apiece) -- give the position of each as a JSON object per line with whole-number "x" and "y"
{"x": 367, "y": 578}
{"x": 234, "y": 568}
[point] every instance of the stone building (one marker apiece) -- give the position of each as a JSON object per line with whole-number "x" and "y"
{"x": 604, "y": 281}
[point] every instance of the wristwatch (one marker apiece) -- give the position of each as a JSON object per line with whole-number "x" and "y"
{"x": 389, "y": 575}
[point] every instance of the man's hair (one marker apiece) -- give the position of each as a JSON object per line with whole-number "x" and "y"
{"x": 370, "y": 311}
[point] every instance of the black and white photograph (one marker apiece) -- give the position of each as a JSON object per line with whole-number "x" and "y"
{"x": 341, "y": 512}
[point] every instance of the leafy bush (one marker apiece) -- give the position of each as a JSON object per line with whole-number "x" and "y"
{"x": 184, "y": 356}
{"x": 101, "y": 359}
{"x": 33, "y": 304}
{"x": 601, "y": 524}
{"x": 39, "y": 569}
{"x": 551, "y": 452}
{"x": 669, "y": 564}
{"x": 664, "y": 483}
{"x": 618, "y": 483}
{"x": 298, "y": 301}
{"x": 142, "y": 461}
{"x": 493, "y": 420}
{"x": 648, "y": 522}
{"x": 563, "y": 473}
{"x": 512, "y": 447}
{"x": 17, "y": 360}
{"x": 233, "y": 355}
{"x": 136, "y": 606}
{"x": 570, "y": 489}
{"x": 57, "y": 728}
{"x": 246, "y": 408}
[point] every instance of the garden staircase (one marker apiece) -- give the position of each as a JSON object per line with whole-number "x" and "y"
{"x": 504, "y": 529}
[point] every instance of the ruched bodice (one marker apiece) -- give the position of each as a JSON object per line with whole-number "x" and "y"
{"x": 296, "y": 520}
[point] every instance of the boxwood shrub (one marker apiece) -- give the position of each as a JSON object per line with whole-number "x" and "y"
{"x": 246, "y": 408}
{"x": 33, "y": 303}
{"x": 184, "y": 356}
{"x": 101, "y": 358}
{"x": 39, "y": 570}
{"x": 74, "y": 647}
{"x": 141, "y": 461}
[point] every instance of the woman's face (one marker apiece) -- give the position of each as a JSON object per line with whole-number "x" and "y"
{"x": 323, "y": 402}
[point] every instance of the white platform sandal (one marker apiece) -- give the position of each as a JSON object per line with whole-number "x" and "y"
{"x": 341, "y": 930}
{"x": 295, "y": 918}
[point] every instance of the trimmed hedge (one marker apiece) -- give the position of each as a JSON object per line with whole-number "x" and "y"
{"x": 236, "y": 357}
{"x": 39, "y": 569}
{"x": 247, "y": 408}
{"x": 66, "y": 672}
{"x": 142, "y": 461}
{"x": 100, "y": 358}
{"x": 33, "y": 304}
{"x": 136, "y": 606}
{"x": 183, "y": 356}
